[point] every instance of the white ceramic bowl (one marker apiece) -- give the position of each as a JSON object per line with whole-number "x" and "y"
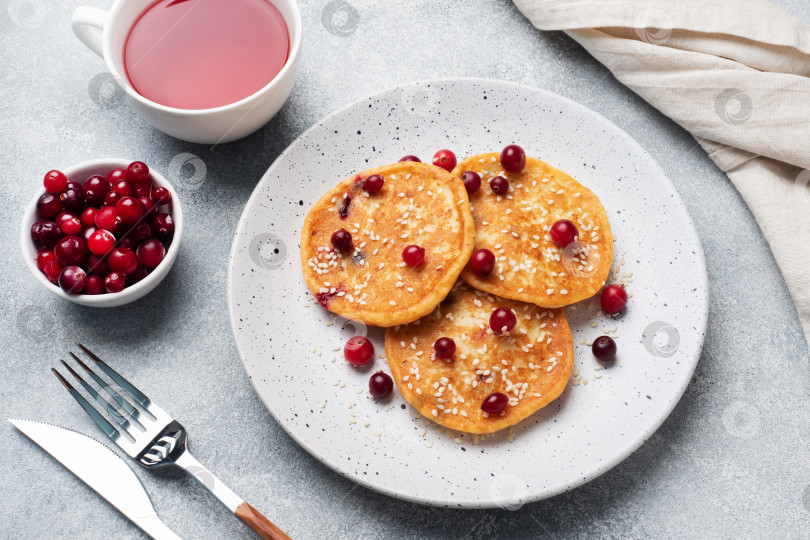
{"x": 79, "y": 173}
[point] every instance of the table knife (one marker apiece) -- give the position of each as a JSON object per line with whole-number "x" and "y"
{"x": 102, "y": 470}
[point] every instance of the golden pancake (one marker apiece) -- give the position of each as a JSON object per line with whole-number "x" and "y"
{"x": 531, "y": 365}
{"x": 418, "y": 204}
{"x": 530, "y": 267}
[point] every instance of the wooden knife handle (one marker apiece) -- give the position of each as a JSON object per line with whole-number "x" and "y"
{"x": 260, "y": 524}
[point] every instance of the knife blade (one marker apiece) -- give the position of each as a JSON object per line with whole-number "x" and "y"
{"x": 101, "y": 469}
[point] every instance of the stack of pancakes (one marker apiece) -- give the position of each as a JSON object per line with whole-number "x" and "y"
{"x": 425, "y": 205}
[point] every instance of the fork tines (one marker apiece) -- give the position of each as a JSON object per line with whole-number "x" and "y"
{"x": 124, "y": 413}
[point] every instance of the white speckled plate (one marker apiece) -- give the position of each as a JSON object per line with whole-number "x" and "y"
{"x": 287, "y": 343}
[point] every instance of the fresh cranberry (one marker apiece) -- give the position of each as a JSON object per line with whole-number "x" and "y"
{"x": 137, "y": 275}
{"x": 48, "y": 206}
{"x": 112, "y": 198}
{"x": 123, "y": 187}
{"x": 144, "y": 190}
{"x": 44, "y": 257}
{"x": 55, "y": 181}
{"x": 380, "y": 385}
{"x": 88, "y": 218}
{"x": 140, "y": 233}
{"x": 97, "y": 265}
{"x": 445, "y": 159}
{"x": 96, "y": 181}
{"x": 130, "y": 210}
{"x": 563, "y": 232}
{"x": 116, "y": 175}
{"x": 69, "y": 223}
{"x": 52, "y": 270}
{"x": 494, "y": 403}
{"x": 410, "y": 157}
{"x": 94, "y": 284}
{"x": 137, "y": 173}
{"x": 373, "y": 184}
{"x": 151, "y": 253}
{"x": 149, "y": 205}
{"x": 71, "y": 251}
{"x": 513, "y": 158}
{"x": 482, "y": 262}
{"x": 614, "y": 298}
{"x": 65, "y": 216}
{"x": 358, "y": 351}
{"x": 472, "y": 181}
{"x": 114, "y": 282}
{"x": 128, "y": 243}
{"x": 342, "y": 240}
{"x": 108, "y": 218}
{"x": 101, "y": 242}
{"x": 122, "y": 260}
{"x": 163, "y": 225}
{"x": 88, "y": 232}
{"x": 161, "y": 195}
{"x": 73, "y": 199}
{"x": 45, "y": 233}
{"x": 444, "y": 348}
{"x": 604, "y": 349}
{"x": 72, "y": 279}
{"x": 502, "y": 320}
{"x": 499, "y": 185}
{"x": 413, "y": 255}
{"x": 74, "y": 185}
{"x": 95, "y": 190}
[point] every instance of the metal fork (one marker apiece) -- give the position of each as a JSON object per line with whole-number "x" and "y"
{"x": 157, "y": 439}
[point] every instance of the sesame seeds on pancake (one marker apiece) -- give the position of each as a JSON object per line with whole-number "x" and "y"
{"x": 419, "y": 204}
{"x": 531, "y": 364}
{"x": 515, "y": 226}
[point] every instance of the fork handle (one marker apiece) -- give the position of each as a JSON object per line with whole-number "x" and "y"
{"x": 251, "y": 517}
{"x": 260, "y": 524}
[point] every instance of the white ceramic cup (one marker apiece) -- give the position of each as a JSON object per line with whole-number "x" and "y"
{"x": 208, "y": 126}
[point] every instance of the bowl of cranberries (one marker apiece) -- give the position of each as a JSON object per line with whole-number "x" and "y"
{"x": 102, "y": 233}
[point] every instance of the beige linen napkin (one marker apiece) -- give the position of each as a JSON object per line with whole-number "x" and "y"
{"x": 736, "y": 74}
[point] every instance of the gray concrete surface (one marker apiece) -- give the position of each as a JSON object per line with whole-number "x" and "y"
{"x": 731, "y": 461}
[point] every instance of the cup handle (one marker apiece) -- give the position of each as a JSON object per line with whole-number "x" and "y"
{"x": 86, "y": 23}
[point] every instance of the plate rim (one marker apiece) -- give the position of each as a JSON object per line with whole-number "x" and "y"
{"x": 490, "y": 502}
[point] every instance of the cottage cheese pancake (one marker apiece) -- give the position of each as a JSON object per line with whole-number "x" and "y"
{"x": 362, "y": 274}
{"x": 530, "y": 364}
{"x": 515, "y": 227}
